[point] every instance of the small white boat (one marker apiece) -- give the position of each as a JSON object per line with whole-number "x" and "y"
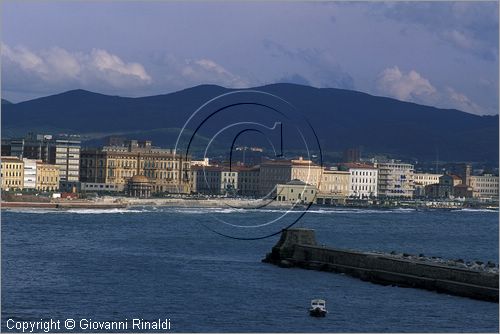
{"x": 318, "y": 308}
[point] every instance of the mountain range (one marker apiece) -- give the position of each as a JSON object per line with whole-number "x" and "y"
{"x": 341, "y": 119}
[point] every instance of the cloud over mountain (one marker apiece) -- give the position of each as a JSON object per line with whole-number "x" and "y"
{"x": 56, "y": 67}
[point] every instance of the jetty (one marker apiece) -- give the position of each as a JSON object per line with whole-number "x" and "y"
{"x": 297, "y": 247}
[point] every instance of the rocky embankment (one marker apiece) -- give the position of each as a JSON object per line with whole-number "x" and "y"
{"x": 489, "y": 266}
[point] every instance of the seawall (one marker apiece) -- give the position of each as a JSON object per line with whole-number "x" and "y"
{"x": 298, "y": 248}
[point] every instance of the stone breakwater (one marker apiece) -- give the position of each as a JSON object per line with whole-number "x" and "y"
{"x": 298, "y": 248}
{"x": 489, "y": 266}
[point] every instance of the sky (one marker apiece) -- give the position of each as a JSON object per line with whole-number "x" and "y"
{"x": 443, "y": 54}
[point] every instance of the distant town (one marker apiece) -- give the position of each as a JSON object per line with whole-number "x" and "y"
{"x": 41, "y": 166}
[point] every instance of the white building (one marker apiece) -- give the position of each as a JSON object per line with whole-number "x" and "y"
{"x": 395, "y": 179}
{"x": 29, "y": 173}
{"x": 214, "y": 180}
{"x": 363, "y": 181}
{"x": 484, "y": 186}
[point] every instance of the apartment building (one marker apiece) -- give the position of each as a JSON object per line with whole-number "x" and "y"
{"x": 12, "y": 173}
{"x": 115, "y": 165}
{"x": 395, "y": 179}
{"x": 484, "y": 186}
{"x": 335, "y": 182}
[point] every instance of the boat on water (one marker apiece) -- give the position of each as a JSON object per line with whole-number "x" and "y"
{"x": 318, "y": 308}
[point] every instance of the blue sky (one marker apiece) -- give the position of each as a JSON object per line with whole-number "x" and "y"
{"x": 443, "y": 54}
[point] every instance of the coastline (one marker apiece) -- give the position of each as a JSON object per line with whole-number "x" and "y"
{"x": 110, "y": 202}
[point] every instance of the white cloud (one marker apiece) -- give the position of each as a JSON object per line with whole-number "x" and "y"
{"x": 207, "y": 70}
{"x": 461, "y": 102}
{"x": 57, "y": 68}
{"x": 111, "y": 64}
{"x": 412, "y": 87}
{"x": 409, "y": 86}
{"x": 182, "y": 73}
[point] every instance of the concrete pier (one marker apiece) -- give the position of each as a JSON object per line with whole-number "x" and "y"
{"x": 298, "y": 248}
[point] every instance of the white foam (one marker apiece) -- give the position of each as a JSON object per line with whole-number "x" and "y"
{"x": 476, "y": 210}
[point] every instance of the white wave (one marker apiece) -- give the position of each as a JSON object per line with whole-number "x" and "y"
{"x": 101, "y": 211}
{"x": 72, "y": 211}
{"x": 476, "y": 210}
{"x": 30, "y": 210}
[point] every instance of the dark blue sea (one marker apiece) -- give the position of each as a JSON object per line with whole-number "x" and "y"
{"x": 167, "y": 263}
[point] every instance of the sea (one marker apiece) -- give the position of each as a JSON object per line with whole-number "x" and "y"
{"x": 200, "y": 269}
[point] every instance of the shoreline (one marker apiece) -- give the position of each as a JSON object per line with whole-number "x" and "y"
{"x": 109, "y": 202}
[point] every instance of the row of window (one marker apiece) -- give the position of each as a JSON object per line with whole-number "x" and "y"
{"x": 13, "y": 166}
{"x": 12, "y": 174}
{"x": 363, "y": 173}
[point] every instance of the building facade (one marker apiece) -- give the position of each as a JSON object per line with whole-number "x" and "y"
{"x": 335, "y": 182}
{"x": 296, "y": 191}
{"x": 421, "y": 180}
{"x": 214, "y": 180}
{"x": 29, "y": 173}
{"x": 277, "y": 172}
{"x": 47, "y": 177}
{"x": 484, "y": 186}
{"x": 395, "y": 179}
{"x": 66, "y": 156}
{"x": 248, "y": 181}
{"x": 12, "y": 173}
{"x": 363, "y": 181}
{"x": 115, "y": 165}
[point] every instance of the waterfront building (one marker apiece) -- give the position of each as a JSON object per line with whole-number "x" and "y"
{"x": 12, "y": 173}
{"x": 445, "y": 187}
{"x": 67, "y": 157}
{"x": 446, "y": 184}
{"x": 47, "y": 176}
{"x": 421, "y": 180}
{"x": 395, "y": 179}
{"x": 215, "y": 180}
{"x": 462, "y": 170}
{"x": 335, "y": 182}
{"x": 139, "y": 186}
{"x": 62, "y": 150}
{"x": 277, "y": 172}
{"x": 115, "y": 165}
{"x": 248, "y": 181}
{"x": 29, "y": 173}
{"x": 363, "y": 180}
{"x": 296, "y": 191}
{"x": 485, "y": 186}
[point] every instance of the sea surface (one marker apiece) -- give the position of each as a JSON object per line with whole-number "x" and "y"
{"x": 168, "y": 263}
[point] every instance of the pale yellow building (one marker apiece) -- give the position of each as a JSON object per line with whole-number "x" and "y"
{"x": 277, "y": 172}
{"x": 12, "y": 173}
{"x": 421, "y": 180}
{"x": 296, "y": 191}
{"x": 335, "y": 182}
{"x": 47, "y": 176}
{"x": 115, "y": 165}
{"x": 484, "y": 186}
